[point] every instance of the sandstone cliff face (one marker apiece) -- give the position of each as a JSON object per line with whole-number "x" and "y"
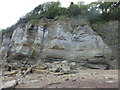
{"x": 69, "y": 39}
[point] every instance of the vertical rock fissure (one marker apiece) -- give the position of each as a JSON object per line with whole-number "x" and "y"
{"x": 42, "y": 39}
{"x": 41, "y": 58}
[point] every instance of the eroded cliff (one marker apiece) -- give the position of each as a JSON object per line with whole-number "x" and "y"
{"x": 69, "y": 39}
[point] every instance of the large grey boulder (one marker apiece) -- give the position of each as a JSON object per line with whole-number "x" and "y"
{"x": 10, "y": 84}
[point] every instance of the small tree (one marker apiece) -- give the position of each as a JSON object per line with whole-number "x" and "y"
{"x": 73, "y": 10}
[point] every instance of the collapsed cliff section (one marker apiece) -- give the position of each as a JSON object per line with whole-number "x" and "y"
{"x": 70, "y": 39}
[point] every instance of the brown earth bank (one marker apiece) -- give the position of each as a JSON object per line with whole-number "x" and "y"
{"x": 82, "y": 79}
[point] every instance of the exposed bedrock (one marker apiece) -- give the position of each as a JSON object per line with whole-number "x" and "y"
{"x": 69, "y": 39}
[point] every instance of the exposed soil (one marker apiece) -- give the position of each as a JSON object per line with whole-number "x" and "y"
{"x": 82, "y": 79}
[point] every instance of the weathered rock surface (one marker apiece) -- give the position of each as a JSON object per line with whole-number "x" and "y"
{"x": 69, "y": 39}
{"x": 109, "y": 32}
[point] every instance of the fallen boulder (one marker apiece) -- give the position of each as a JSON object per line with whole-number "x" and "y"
{"x": 10, "y": 84}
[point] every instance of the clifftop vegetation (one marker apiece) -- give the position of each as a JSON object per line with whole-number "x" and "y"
{"x": 94, "y": 12}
